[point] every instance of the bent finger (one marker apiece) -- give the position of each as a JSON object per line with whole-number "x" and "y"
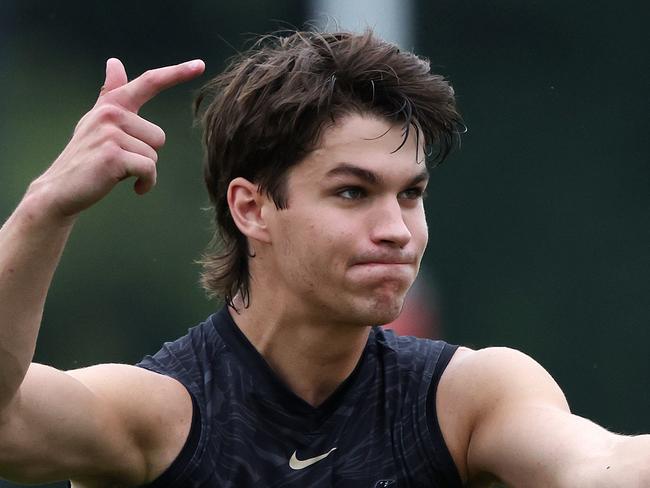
{"x": 146, "y": 86}
{"x": 142, "y": 129}
{"x": 143, "y": 168}
{"x": 137, "y": 146}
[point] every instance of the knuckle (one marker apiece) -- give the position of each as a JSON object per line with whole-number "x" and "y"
{"x": 152, "y": 155}
{"x": 110, "y": 152}
{"x": 109, "y": 133}
{"x": 149, "y": 169}
{"x": 108, "y": 113}
{"x": 149, "y": 77}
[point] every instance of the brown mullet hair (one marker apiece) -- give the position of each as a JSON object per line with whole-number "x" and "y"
{"x": 266, "y": 111}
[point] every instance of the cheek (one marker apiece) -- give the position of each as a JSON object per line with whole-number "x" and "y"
{"x": 323, "y": 251}
{"x": 305, "y": 248}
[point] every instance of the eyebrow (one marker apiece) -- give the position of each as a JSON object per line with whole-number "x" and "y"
{"x": 370, "y": 177}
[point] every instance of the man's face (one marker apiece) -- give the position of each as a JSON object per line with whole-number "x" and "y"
{"x": 348, "y": 246}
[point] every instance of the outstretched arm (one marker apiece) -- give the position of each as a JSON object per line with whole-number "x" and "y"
{"x": 520, "y": 430}
{"x": 110, "y": 143}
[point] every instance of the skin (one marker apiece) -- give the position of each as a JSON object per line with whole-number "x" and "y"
{"x": 355, "y": 230}
{"x": 84, "y": 424}
{"x": 355, "y": 246}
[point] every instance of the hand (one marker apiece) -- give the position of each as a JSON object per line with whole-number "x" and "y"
{"x": 111, "y": 142}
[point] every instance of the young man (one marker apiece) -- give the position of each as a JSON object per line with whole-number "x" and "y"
{"x": 316, "y": 148}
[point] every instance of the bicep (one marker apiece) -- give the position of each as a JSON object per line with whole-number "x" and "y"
{"x": 538, "y": 446}
{"x": 96, "y": 422}
{"x": 524, "y": 432}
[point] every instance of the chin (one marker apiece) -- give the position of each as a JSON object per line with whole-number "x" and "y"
{"x": 386, "y": 316}
{"x": 384, "y": 310}
{"x": 369, "y": 307}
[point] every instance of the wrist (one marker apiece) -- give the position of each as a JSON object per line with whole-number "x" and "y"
{"x": 38, "y": 207}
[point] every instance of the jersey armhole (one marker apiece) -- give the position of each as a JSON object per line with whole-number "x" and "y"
{"x": 178, "y": 467}
{"x": 443, "y": 455}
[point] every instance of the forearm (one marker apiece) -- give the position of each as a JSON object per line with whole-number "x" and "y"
{"x": 626, "y": 464}
{"x": 31, "y": 244}
{"x": 630, "y": 461}
{"x": 110, "y": 143}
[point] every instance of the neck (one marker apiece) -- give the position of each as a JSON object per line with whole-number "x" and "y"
{"x": 313, "y": 357}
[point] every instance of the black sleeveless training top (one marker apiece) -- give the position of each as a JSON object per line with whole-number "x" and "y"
{"x": 377, "y": 430}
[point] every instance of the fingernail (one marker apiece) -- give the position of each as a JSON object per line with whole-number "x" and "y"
{"x": 196, "y": 64}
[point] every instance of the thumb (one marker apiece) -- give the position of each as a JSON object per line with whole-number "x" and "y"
{"x": 115, "y": 76}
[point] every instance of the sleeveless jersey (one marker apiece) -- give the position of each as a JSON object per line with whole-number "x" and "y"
{"x": 379, "y": 429}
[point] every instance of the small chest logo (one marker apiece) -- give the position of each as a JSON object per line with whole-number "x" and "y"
{"x": 385, "y": 484}
{"x": 295, "y": 463}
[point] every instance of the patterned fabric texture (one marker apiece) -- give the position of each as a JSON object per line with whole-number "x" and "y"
{"x": 378, "y": 430}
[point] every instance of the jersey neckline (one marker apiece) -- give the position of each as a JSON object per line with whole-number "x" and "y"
{"x": 272, "y": 392}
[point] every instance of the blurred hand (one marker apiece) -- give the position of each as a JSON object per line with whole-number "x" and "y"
{"x": 111, "y": 142}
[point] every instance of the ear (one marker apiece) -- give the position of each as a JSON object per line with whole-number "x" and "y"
{"x": 246, "y": 203}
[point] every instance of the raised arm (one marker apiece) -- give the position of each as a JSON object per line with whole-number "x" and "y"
{"x": 49, "y": 419}
{"x": 517, "y": 428}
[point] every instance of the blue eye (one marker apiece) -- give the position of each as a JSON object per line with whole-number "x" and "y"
{"x": 413, "y": 193}
{"x": 352, "y": 193}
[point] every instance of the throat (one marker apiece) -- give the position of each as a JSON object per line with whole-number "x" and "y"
{"x": 316, "y": 387}
{"x": 313, "y": 361}
{"x": 315, "y": 373}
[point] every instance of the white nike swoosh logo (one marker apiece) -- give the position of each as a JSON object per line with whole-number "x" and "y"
{"x": 295, "y": 463}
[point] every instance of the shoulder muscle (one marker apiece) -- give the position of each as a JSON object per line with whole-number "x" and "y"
{"x": 112, "y": 422}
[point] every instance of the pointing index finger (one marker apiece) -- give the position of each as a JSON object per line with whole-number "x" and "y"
{"x": 149, "y": 84}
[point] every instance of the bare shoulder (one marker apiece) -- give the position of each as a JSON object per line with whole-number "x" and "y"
{"x": 476, "y": 382}
{"x": 505, "y": 418}
{"x": 483, "y": 376}
{"x": 105, "y": 425}
{"x": 155, "y": 410}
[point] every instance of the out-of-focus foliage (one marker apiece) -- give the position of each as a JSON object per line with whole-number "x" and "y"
{"x": 539, "y": 225}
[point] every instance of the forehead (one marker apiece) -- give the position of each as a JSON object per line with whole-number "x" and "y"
{"x": 368, "y": 142}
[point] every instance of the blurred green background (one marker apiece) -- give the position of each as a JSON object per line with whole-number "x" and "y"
{"x": 539, "y": 225}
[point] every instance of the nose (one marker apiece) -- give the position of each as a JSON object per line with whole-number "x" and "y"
{"x": 389, "y": 226}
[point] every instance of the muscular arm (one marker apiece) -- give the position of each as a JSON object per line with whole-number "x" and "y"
{"x": 516, "y": 426}
{"x": 62, "y": 424}
{"x": 108, "y": 424}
